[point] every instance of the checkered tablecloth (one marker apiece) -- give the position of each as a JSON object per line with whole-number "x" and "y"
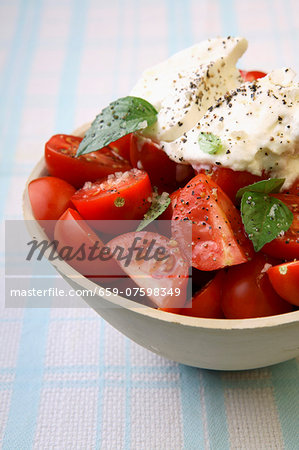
{"x": 67, "y": 379}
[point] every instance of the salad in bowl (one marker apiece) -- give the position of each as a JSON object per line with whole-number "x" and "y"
{"x": 204, "y": 159}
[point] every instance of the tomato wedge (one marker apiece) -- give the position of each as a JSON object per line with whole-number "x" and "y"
{"x": 229, "y": 180}
{"x": 285, "y": 280}
{"x": 205, "y": 303}
{"x": 163, "y": 278}
{"x": 287, "y": 245}
{"x": 218, "y": 238}
{"x": 164, "y": 173}
{"x": 121, "y": 196}
{"x": 248, "y": 293}
{"x": 252, "y": 75}
{"x": 61, "y": 161}
{"x": 76, "y": 239}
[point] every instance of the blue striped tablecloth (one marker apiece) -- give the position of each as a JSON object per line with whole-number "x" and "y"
{"x": 67, "y": 379}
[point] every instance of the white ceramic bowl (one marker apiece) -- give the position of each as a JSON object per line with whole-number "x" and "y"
{"x": 220, "y": 344}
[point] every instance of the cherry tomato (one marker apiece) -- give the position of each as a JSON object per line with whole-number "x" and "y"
{"x": 206, "y": 302}
{"x": 248, "y": 293}
{"x": 229, "y": 180}
{"x": 164, "y": 173}
{"x": 49, "y": 198}
{"x": 162, "y": 277}
{"x": 122, "y": 146}
{"x": 285, "y": 280}
{"x": 72, "y": 232}
{"x": 286, "y": 246}
{"x": 253, "y": 75}
{"x": 218, "y": 238}
{"x": 61, "y": 161}
{"x": 123, "y": 196}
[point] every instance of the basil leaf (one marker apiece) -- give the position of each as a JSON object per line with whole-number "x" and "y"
{"x": 121, "y": 117}
{"x": 270, "y": 186}
{"x": 158, "y": 206}
{"x": 264, "y": 217}
{"x": 209, "y": 143}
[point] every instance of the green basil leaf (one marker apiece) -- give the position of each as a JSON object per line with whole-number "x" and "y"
{"x": 158, "y": 206}
{"x": 209, "y": 143}
{"x": 264, "y": 217}
{"x": 270, "y": 186}
{"x": 121, "y": 117}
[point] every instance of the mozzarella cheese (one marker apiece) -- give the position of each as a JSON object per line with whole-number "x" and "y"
{"x": 184, "y": 86}
{"x": 258, "y": 124}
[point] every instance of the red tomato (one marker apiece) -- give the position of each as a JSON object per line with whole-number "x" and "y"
{"x": 229, "y": 180}
{"x": 119, "y": 197}
{"x": 206, "y": 302}
{"x": 163, "y": 278}
{"x": 247, "y": 291}
{"x": 61, "y": 161}
{"x": 49, "y": 198}
{"x": 253, "y": 75}
{"x": 218, "y": 238}
{"x": 72, "y": 232}
{"x": 122, "y": 146}
{"x": 285, "y": 280}
{"x": 286, "y": 246}
{"x": 164, "y": 173}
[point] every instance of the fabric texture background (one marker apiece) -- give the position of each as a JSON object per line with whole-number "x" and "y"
{"x": 67, "y": 379}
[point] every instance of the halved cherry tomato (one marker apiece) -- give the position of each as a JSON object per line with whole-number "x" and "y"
{"x": 218, "y": 238}
{"x": 164, "y": 173}
{"x": 285, "y": 280}
{"x": 206, "y": 302}
{"x": 253, "y": 75}
{"x": 229, "y": 180}
{"x": 79, "y": 246}
{"x": 163, "y": 276}
{"x": 122, "y": 146}
{"x": 49, "y": 198}
{"x": 121, "y": 196}
{"x": 286, "y": 246}
{"x": 61, "y": 161}
{"x": 248, "y": 293}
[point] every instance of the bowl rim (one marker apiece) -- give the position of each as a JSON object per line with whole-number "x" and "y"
{"x": 122, "y": 302}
